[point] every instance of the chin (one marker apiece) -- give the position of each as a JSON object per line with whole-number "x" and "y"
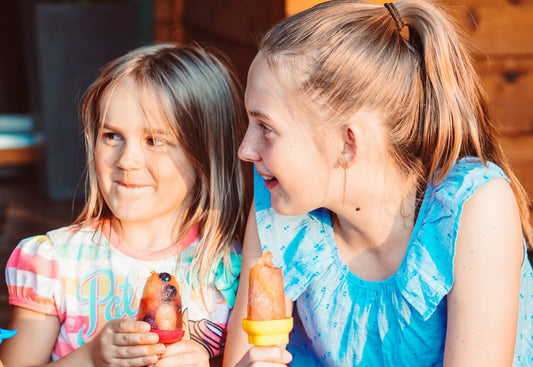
{"x": 129, "y": 215}
{"x": 287, "y": 209}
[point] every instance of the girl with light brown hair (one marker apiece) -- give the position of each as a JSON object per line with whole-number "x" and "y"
{"x": 165, "y": 195}
{"x": 383, "y": 194}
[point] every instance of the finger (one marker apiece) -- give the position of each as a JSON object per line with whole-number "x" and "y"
{"x": 183, "y": 346}
{"x": 129, "y": 326}
{"x": 184, "y": 353}
{"x": 121, "y": 339}
{"x": 184, "y": 359}
{"x": 275, "y": 354}
{"x": 137, "y": 361}
{"x": 137, "y": 351}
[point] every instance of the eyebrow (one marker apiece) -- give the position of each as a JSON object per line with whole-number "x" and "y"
{"x": 105, "y": 125}
{"x": 157, "y": 131}
{"x": 259, "y": 115}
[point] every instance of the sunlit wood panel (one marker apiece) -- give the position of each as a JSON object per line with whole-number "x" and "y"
{"x": 295, "y": 6}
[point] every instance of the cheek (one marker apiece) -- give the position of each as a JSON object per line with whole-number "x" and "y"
{"x": 103, "y": 166}
{"x": 178, "y": 173}
{"x": 98, "y": 164}
{"x": 102, "y": 157}
{"x": 189, "y": 179}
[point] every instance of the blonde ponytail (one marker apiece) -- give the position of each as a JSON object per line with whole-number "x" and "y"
{"x": 411, "y": 64}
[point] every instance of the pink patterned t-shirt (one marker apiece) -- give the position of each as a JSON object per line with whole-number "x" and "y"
{"x": 87, "y": 277}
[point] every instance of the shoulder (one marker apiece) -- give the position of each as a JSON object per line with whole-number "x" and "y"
{"x": 71, "y": 244}
{"x": 465, "y": 177}
{"x": 490, "y": 223}
{"x": 478, "y": 200}
{"x": 33, "y": 275}
{"x": 482, "y": 197}
{"x": 460, "y": 215}
{"x": 72, "y": 233}
{"x": 486, "y": 270}
{"x": 49, "y": 247}
{"x": 45, "y": 244}
{"x": 488, "y": 234}
{"x": 468, "y": 180}
{"x": 30, "y": 254}
{"x": 494, "y": 200}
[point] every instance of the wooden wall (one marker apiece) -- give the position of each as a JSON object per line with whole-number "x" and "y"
{"x": 501, "y": 32}
{"x": 233, "y": 26}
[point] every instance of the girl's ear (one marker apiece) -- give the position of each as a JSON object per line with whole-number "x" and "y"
{"x": 349, "y": 150}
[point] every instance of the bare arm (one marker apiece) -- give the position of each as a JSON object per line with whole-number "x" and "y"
{"x": 34, "y": 340}
{"x": 237, "y": 351}
{"x": 483, "y": 303}
{"x": 120, "y": 341}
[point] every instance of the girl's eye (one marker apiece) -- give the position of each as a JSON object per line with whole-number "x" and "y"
{"x": 265, "y": 128}
{"x": 155, "y": 142}
{"x": 110, "y": 136}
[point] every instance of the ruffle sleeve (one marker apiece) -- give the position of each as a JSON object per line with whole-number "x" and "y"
{"x": 297, "y": 243}
{"x": 33, "y": 276}
{"x": 426, "y": 275}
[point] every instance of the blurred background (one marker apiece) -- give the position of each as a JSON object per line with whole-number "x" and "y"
{"x": 51, "y": 50}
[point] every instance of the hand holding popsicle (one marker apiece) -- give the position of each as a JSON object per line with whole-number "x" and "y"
{"x": 266, "y": 322}
{"x": 160, "y": 306}
{"x": 123, "y": 339}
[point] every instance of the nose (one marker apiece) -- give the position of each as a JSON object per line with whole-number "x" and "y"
{"x": 131, "y": 157}
{"x": 248, "y": 150}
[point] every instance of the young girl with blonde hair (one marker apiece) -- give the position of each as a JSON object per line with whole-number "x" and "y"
{"x": 165, "y": 194}
{"x": 383, "y": 194}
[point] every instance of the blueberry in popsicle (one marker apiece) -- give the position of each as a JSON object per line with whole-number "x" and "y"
{"x": 160, "y": 306}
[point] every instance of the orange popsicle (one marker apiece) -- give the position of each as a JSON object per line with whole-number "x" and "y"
{"x": 266, "y": 297}
{"x": 266, "y": 323}
{"x": 160, "y": 306}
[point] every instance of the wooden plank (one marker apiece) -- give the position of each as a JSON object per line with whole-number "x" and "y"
{"x": 295, "y": 6}
{"x": 240, "y": 56}
{"x": 519, "y": 149}
{"x": 240, "y": 21}
{"x": 167, "y": 17}
{"x": 509, "y": 84}
{"x": 246, "y": 21}
{"x": 499, "y": 3}
{"x": 496, "y": 27}
{"x": 19, "y": 156}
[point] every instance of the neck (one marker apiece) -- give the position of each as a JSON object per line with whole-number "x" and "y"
{"x": 373, "y": 225}
{"x": 146, "y": 235}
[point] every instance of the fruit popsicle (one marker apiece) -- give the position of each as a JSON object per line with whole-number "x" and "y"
{"x": 266, "y": 297}
{"x": 160, "y": 306}
{"x": 266, "y": 322}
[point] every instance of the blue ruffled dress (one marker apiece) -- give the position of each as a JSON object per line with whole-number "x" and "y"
{"x": 343, "y": 320}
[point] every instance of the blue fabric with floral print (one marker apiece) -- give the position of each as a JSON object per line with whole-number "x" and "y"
{"x": 400, "y": 321}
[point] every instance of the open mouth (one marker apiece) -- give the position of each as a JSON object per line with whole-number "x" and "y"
{"x": 270, "y": 182}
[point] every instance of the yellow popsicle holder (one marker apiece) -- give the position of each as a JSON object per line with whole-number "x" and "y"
{"x": 266, "y": 333}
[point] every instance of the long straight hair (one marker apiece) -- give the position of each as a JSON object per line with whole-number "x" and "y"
{"x": 355, "y": 55}
{"x": 197, "y": 95}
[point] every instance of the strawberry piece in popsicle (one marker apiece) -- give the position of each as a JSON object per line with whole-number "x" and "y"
{"x": 160, "y": 306}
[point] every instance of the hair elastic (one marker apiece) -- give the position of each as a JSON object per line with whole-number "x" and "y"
{"x": 395, "y": 15}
